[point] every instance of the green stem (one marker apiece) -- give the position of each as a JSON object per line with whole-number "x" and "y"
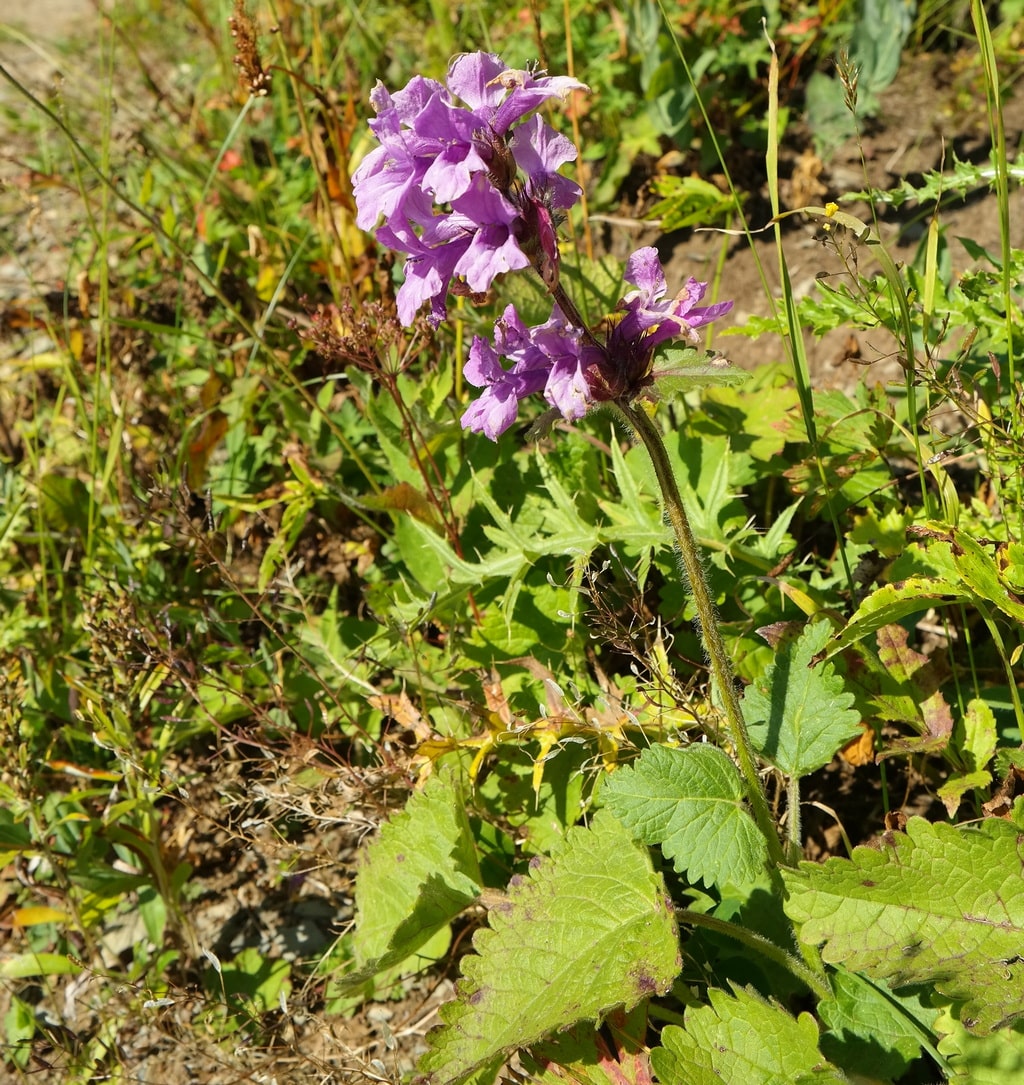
{"x": 815, "y": 981}
{"x": 721, "y": 667}
{"x": 793, "y": 830}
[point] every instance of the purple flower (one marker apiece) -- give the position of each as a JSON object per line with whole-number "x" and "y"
{"x": 539, "y": 151}
{"x": 651, "y": 321}
{"x": 473, "y": 243}
{"x": 551, "y": 358}
{"x": 648, "y": 321}
{"x": 482, "y": 81}
{"x": 445, "y": 178}
{"x": 572, "y": 369}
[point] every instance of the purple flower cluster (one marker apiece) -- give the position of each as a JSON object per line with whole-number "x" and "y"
{"x": 467, "y": 184}
{"x": 445, "y": 179}
{"x": 570, "y": 367}
{"x": 551, "y": 358}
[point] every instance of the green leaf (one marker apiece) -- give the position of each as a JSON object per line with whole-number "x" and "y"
{"x": 1011, "y": 566}
{"x": 739, "y": 1040}
{"x": 877, "y": 43}
{"x": 940, "y": 905}
{"x": 799, "y": 714}
{"x": 976, "y": 735}
{"x": 705, "y": 469}
{"x": 829, "y": 119}
{"x": 417, "y": 876}
{"x": 589, "y": 928}
{"x": 887, "y": 534}
{"x": 19, "y": 1029}
{"x": 690, "y": 801}
{"x": 292, "y": 522}
{"x": 996, "y": 1059}
{"x": 958, "y": 784}
{"x": 894, "y": 602}
{"x": 936, "y": 184}
{"x": 872, "y": 1031}
{"x": 757, "y": 419}
{"x": 25, "y": 965}
{"x": 973, "y": 745}
{"x": 689, "y": 201}
{"x": 682, "y": 369}
{"x": 638, "y": 519}
{"x": 981, "y": 574}
{"x": 14, "y": 835}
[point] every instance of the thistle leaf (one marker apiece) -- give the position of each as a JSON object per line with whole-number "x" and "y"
{"x": 961, "y": 179}
{"x": 940, "y": 905}
{"x": 690, "y": 801}
{"x": 589, "y": 928}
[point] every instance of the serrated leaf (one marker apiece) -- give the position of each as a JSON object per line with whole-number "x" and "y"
{"x": 799, "y": 714}
{"x": 417, "y": 876}
{"x": 894, "y": 602}
{"x": 589, "y": 928}
{"x": 739, "y": 1040}
{"x": 691, "y": 802}
{"x": 941, "y": 905}
{"x": 934, "y": 185}
{"x": 995, "y": 1059}
{"x": 676, "y": 373}
{"x": 871, "y": 1030}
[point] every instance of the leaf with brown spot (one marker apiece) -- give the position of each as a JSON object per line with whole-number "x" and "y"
{"x": 918, "y": 679}
{"x": 590, "y": 928}
{"x": 940, "y": 905}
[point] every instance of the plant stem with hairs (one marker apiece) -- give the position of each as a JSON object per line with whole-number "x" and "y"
{"x": 470, "y": 189}
{"x": 711, "y": 637}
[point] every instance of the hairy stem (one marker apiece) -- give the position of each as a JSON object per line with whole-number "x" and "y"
{"x": 721, "y": 667}
{"x": 793, "y": 829}
{"x": 815, "y": 981}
